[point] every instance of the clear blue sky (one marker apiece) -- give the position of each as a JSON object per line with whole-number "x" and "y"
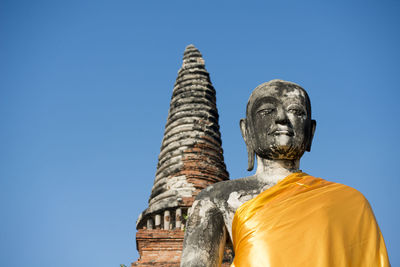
{"x": 84, "y": 95}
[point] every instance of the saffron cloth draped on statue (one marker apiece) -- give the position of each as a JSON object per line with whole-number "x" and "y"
{"x": 307, "y": 221}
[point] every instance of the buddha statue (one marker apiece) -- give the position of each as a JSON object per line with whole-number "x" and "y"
{"x": 281, "y": 216}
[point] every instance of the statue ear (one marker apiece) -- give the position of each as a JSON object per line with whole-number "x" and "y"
{"x": 311, "y": 136}
{"x": 250, "y": 150}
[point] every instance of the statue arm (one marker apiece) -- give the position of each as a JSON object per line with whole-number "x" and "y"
{"x": 205, "y": 236}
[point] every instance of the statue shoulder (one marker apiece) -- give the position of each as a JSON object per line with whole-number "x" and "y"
{"x": 221, "y": 191}
{"x": 344, "y": 195}
{"x": 354, "y": 194}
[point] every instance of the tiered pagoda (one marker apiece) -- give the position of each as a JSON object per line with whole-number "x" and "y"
{"x": 191, "y": 158}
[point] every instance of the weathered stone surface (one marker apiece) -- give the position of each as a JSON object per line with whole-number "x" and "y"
{"x": 190, "y": 159}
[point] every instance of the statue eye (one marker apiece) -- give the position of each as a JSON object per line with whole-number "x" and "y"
{"x": 265, "y": 111}
{"x": 297, "y": 111}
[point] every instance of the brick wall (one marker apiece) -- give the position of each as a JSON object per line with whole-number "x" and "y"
{"x": 163, "y": 248}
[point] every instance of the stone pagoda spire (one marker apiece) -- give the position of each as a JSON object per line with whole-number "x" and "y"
{"x": 191, "y": 155}
{"x": 191, "y": 158}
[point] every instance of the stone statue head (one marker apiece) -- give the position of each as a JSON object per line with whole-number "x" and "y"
{"x": 278, "y": 122}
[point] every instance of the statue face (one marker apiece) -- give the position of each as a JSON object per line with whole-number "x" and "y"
{"x": 280, "y": 122}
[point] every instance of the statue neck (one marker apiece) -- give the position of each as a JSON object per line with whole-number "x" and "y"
{"x": 274, "y": 170}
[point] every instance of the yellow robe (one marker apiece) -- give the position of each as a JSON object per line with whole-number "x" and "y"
{"x": 307, "y": 221}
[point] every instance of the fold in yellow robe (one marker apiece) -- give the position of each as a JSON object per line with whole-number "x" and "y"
{"x": 307, "y": 221}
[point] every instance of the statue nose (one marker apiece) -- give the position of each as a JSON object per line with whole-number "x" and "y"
{"x": 281, "y": 116}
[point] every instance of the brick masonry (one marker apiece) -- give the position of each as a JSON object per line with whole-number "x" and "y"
{"x": 164, "y": 248}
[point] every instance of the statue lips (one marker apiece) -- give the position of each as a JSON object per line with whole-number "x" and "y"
{"x": 281, "y": 131}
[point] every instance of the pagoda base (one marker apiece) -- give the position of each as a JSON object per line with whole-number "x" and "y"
{"x": 163, "y": 248}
